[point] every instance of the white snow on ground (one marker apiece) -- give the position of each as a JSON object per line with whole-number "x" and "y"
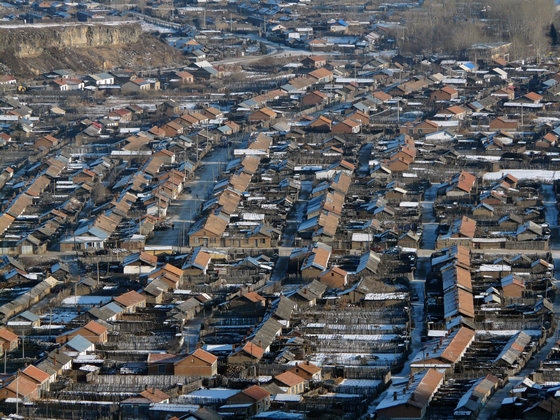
{"x": 540, "y": 175}
{"x": 86, "y": 300}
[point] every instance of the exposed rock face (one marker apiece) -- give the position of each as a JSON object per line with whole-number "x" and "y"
{"x": 30, "y": 51}
{"x": 32, "y": 42}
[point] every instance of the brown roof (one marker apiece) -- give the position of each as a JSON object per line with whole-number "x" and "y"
{"x": 95, "y": 327}
{"x": 250, "y": 163}
{"x": 253, "y": 297}
{"x": 22, "y": 386}
{"x": 426, "y": 388}
{"x": 321, "y": 256}
{"x": 148, "y": 258}
{"x": 466, "y": 303}
{"x": 256, "y": 392}
{"x": 19, "y": 205}
{"x": 321, "y": 73}
{"x": 449, "y": 89}
{"x": 289, "y": 378}
{"x": 240, "y": 181}
{"x": 36, "y": 374}
{"x": 533, "y": 96}
{"x": 205, "y": 356}
{"x": 130, "y": 299}
{"x": 466, "y": 181}
{"x": 5, "y": 222}
{"x": 329, "y": 222}
{"x": 456, "y": 109}
{"x": 202, "y": 259}
{"x": 154, "y": 395}
{"x": 468, "y": 227}
{"x": 172, "y": 269}
{"x": 464, "y": 278}
{"x": 38, "y": 186}
{"x": 458, "y": 345}
{"x": 262, "y": 142}
{"x": 253, "y": 350}
{"x": 305, "y": 370}
{"x": 463, "y": 256}
{"x": 7, "y": 335}
{"x": 382, "y": 96}
{"x": 158, "y": 357}
{"x": 229, "y": 200}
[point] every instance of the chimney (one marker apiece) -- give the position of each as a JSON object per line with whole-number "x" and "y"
{"x": 395, "y": 396}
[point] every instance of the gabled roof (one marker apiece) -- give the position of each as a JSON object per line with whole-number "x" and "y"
{"x": 253, "y": 350}
{"x": 256, "y": 393}
{"x": 35, "y": 374}
{"x": 204, "y": 356}
{"x": 95, "y": 327}
{"x": 154, "y": 395}
{"x": 458, "y": 345}
{"x": 130, "y": 298}
{"x": 289, "y": 378}
{"x": 7, "y": 335}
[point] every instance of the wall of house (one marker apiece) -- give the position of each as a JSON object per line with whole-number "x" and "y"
{"x": 191, "y": 366}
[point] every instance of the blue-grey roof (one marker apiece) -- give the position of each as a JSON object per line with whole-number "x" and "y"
{"x": 79, "y": 343}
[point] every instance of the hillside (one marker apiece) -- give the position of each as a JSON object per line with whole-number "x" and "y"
{"x": 33, "y": 50}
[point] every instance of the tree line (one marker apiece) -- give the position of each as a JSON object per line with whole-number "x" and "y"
{"x": 452, "y": 26}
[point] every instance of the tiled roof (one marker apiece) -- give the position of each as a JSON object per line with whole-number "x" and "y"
{"x": 95, "y": 327}
{"x": 289, "y": 378}
{"x": 458, "y": 345}
{"x": 256, "y": 393}
{"x": 130, "y": 299}
{"x": 205, "y": 356}
{"x": 36, "y": 374}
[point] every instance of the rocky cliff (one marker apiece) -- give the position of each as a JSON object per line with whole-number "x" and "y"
{"x": 32, "y": 50}
{"x": 32, "y": 42}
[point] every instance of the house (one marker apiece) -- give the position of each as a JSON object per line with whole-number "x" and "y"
{"x": 321, "y": 123}
{"x": 139, "y": 406}
{"x": 249, "y": 353}
{"x": 512, "y": 286}
{"x": 444, "y": 353}
{"x": 22, "y": 388}
{"x": 24, "y": 321}
{"x": 314, "y": 98}
{"x": 307, "y": 371}
{"x": 42, "y": 379}
{"x": 322, "y": 75}
{"x": 334, "y": 278}
{"x": 503, "y": 124}
{"x": 8, "y": 340}
{"x": 46, "y": 142}
{"x": 290, "y": 382}
{"x": 314, "y": 61}
{"x": 249, "y": 402}
{"x": 461, "y": 184}
{"x": 184, "y": 77}
{"x": 198, "y": 363}
{"x": 197, "y": 262}
{"x": 208, "y": 231}
{"x": 474, "y": 399}
{"x": 136, "y": 85}
{"x": 131, "y": 301}
{"x": 316, "y": 262}
{"x": 102, "y": 79}
{"x": 446, "y": 93}
{"x": 410, "y": 399}
{"x": 347, "y": 126}
{"x": 262, "y": 115}
{"x": 139, "y": 263}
